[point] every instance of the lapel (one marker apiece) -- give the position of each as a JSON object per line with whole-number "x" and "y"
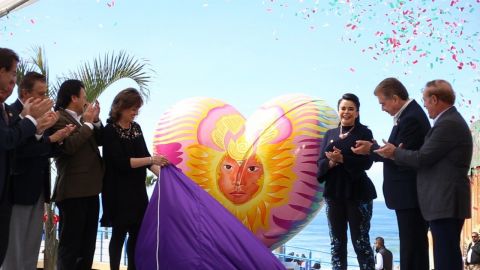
{"x": 446, "y": 114}
{"x": 70, "y": 118}
{"x": 17, "y": 106}
{"x": 393, "y": 134}
{"x": 406, "y": 111}
{"x": 11, "y": 114}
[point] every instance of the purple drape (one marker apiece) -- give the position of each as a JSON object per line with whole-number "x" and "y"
{"x": 191, "y": 230}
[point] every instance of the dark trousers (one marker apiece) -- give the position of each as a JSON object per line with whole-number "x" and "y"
{"x": 412, "y": 229}
{"x": 78, "y": 233}
{"x": 446, "y": 243}
{"x": 357, "y": 216}
{"x": 5, "y": 213}
{"x": 116, "y": 243}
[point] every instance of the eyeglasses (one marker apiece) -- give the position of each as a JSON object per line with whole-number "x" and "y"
{"x": 474, "y": 236}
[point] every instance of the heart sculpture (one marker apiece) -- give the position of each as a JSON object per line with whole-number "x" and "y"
{"x": 262, "y": 169}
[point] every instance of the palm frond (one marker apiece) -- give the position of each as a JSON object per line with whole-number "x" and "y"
{"x": 106, "y": 70}
{"x": 39, "y": 60}
{"x": 36, "y": 63}
{"x": 23, "y": 68}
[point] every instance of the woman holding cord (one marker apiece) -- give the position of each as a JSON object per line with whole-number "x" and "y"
{"x": 348, "y": 190}
{"x": 124, "y": 195}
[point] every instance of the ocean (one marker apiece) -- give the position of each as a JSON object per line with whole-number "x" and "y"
{"x": 315, "y": 237}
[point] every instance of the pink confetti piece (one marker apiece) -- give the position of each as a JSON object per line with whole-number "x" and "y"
{"x": 32, "y": 21}
{"x": 352, "y": 69}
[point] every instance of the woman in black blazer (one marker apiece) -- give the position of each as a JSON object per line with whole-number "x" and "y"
{"x": 348, "y": 190}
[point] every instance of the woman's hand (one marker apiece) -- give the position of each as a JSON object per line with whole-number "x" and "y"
{"x": 160, "y": 160}
{"x": 335, "y": 155}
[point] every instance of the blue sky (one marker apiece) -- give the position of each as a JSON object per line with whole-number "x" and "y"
{"x": 247, "y": 52}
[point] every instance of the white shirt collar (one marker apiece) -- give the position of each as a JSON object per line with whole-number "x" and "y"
{"x": 440, "y": 114}
{"x": 74, "y": 115}
{"x": 397, "y": 115}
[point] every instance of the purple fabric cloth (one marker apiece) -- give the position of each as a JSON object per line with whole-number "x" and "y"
{"x": 195, "y": 231}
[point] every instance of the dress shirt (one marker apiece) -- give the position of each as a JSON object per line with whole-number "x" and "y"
{"x": 397, "y": 115}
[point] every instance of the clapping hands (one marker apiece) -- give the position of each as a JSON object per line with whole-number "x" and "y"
{"x": 388, "y": 150}
{"x": 92, "y": 112}
{"x": 334, "y": 157}
{"x": 36, "y": 107}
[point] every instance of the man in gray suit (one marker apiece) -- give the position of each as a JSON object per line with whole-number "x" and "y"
{"x": 442, "y": 165}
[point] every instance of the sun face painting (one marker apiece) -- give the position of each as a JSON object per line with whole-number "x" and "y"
{"x": 263, "y": 170}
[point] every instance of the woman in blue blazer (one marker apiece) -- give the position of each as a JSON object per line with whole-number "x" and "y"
{"x": 348, "y": 190}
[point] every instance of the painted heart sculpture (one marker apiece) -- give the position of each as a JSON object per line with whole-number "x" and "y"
{"x": 262, "y": 169}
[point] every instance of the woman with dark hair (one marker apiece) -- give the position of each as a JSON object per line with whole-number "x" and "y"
{"x": 348, "y": 190}
{"x": 127, "y": 159}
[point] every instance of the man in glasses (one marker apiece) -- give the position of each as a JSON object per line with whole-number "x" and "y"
{"x": 472, "y": 260}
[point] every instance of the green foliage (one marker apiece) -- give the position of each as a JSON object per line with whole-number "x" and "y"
{"x": 150, "y": 180}
{"x": 105, "y": 70}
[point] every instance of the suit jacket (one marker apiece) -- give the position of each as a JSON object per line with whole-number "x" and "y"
{"x": 442, "y": 164}
{"x": 30, "y": 167}
{"x": 11, "y": 136}
{"x": 475, "y": 259}
{"x": 400, "y": 182}
{"x": 347, "y": 180}
{"x": 79, "y": 165}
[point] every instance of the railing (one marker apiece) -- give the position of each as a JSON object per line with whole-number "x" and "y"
{"x": 284, "y": 254}
{"x": 101, "y": 250}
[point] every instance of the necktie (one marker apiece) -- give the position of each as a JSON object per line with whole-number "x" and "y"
{"x": 4, "y": 113}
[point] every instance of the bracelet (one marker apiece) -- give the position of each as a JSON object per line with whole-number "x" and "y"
{"x": 151, "y": 161}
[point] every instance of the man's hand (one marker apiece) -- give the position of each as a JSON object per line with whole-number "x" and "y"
{"x": 45, "y": 121}
{"x": 386, "y": 151}
{"x": 90, "y": 113}
{"x": 362, "y": 147}
{"x": 36, "y": 107}
{"x": 61, "y": 134}
{"x": 96, "y": 107}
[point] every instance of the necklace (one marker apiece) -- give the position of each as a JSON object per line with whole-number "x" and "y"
{"x": 342, "y": 135}
{"x": 125, "y": 128}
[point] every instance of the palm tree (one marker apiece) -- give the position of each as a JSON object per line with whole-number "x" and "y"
{"x": 96, "y": 76}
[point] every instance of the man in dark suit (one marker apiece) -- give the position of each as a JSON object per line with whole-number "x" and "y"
{"x": 80, "y": 172}
{"x": 472, "y": 258}
{"x": 13, "y": 133}
{"x": 399, "y": 182}
{"x": 442, "y": 164}
{"x": 30, "y": 182}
